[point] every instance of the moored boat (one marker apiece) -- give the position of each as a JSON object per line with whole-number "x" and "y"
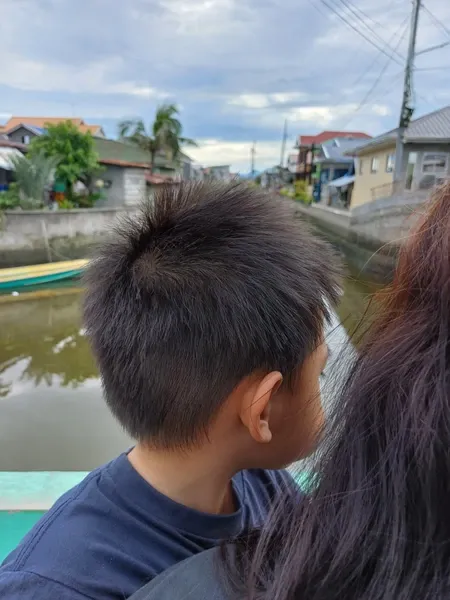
{"x": 17, "y": 278}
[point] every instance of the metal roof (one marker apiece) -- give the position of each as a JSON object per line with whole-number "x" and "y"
{"x": 434, "y": 127}
{"x": 5, "y": 155}
{"x": 120, "y": 153}
{"x": 341, "y": 181}
{"x": 336, "y": 150}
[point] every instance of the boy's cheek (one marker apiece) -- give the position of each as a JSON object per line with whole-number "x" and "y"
{"x": 297, "y": 432}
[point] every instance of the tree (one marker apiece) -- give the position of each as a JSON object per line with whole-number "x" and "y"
{"x": 32, "y": 175}
{"x": 165, "y": 134}
{"x": 77, "y": 159}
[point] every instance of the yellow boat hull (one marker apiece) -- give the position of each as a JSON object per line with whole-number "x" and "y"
{"x": 16, "y": 278}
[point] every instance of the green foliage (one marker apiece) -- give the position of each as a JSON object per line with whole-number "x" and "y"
{"x": 10, "y": 198}
{"x": 301, "y": 192}
{"x": 77, "y": 159}
{"x": 32, "y": 174}
{"x": 66, "y": 204}
{"x": 165, "y": 134}
{"x": 287, "y": 192}
{"x": 86, "y": 201}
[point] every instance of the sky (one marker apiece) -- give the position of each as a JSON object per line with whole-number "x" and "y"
{"x": 236, "y": 68}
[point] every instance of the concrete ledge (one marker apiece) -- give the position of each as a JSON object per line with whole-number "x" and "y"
{"x": 38, "y": 236}
{"x": 35, "y": 491}
{"x": 71, "y": 211}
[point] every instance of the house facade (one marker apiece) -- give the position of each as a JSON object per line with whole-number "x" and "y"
{"x": 308, "y": 146}
{"x": 124, "y": 172}
{"x": 426, "y": 159}
{"x": 332, "y": 162}
{"x": 217, "y": 173}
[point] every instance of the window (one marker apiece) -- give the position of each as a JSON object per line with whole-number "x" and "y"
{"x": 435, "y": 163}
{"x": 25, "y": 139}
{"x": 390, "y": 162}
{"x": 375, "y": 164}
{"x": 361, "y": 166}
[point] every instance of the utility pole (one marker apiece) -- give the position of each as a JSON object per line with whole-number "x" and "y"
{"x": 252, "y": 153}
{"x": 406, "y": 109}
{"x": 283, "y": 143}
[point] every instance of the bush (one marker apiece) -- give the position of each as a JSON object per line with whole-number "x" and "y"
{"x": 10, "y": 199}
{"x": 66, "y": 204}
{"x": 287, "y": 192}
{"x": 301, "y": 192}
{"x": 86, "y": 201}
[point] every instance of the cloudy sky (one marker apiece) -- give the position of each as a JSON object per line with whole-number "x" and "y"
{"x": 237, "y": 68}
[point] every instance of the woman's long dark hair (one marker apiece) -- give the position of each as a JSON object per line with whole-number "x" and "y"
{"x": 377, "y": 524}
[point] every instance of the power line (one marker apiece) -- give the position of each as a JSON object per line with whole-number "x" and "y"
{"x": 362, "y": 34}
{"x": 364, "y": 14}
{"x": 373, "y": 62}
{"x": 378, "y": 79}
{"x": 353, "y": 9}
{"x": 442, "y": 68}
{"x": 437, "y": 21}
{"x": 369, "y": 68}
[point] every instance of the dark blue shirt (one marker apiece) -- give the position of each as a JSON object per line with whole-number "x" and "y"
{"x": 111, "y": 534}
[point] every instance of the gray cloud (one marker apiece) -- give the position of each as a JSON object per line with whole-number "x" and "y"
{"x": 238, "y": 68}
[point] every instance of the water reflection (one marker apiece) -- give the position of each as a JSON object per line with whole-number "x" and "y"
{"x": 52, "y": 414}
{"x": 43, "y": 342}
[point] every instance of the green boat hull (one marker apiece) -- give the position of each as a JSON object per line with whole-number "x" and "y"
{"x": 27, "y": 282}
{"x": 25, "y": 498}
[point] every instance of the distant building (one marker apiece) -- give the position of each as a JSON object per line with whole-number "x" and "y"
{"x": 197, "y": 172}
{"x": 333, "y": 161}
{"x": 307, "y": 145}
{"x": 217, "y": 173}
{"x": 124, "y": 175}
{"x": 426, "y": 159}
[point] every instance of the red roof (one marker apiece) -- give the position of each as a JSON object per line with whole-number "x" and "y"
{"x": 320, "y": 138}
{"x": 10, "y": 144}
{"x": 158, "y": 179}
{"x": 122, "y": 163}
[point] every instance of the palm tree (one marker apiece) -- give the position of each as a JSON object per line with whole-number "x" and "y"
{"x": 32, "y": 176}
{"x": 165, "y": 133}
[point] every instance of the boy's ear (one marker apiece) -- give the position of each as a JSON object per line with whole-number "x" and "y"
{"x": 256, "y": 405}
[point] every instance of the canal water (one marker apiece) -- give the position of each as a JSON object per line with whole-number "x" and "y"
{"x": 52, "y": 415}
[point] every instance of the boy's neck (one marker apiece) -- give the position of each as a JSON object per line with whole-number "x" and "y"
{"x": 194, "y": 479}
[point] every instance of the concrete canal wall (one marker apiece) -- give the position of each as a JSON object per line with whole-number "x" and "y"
{"x": 37, "y": 236}
{"x": 369, "y": 235}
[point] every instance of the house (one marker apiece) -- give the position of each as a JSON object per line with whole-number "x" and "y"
{"x": 24, "y": 129}
{"x": 217, "y": 173}
{"x": 331, "y": 162}
{"x": 197, "y": 172}
{"x": 426, "y": 159}
{"x": 292, "y": 162}
{"x": 7, "y": 151}
{"x": 124, "y": 175}
{"x": 307, "y": 145}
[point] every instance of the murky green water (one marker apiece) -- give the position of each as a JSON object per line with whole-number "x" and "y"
{"x": 52, "y": 416}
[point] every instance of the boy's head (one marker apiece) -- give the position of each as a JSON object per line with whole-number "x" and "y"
{"x": 207, "y": 311}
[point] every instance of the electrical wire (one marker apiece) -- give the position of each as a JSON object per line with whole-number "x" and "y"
{"x": 437, "y": 21}
{"x": 353, "y": 9}
{"x": 360, "y": 33}
{"x": 374, "y": 61}
{"x": 373, "y": 87}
